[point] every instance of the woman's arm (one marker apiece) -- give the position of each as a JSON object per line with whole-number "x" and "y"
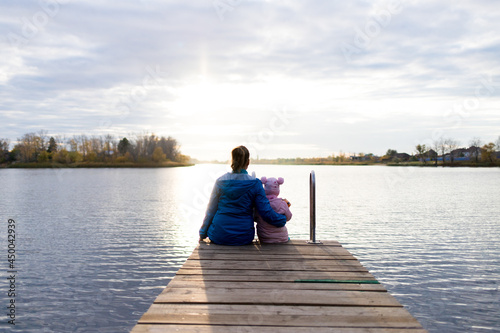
{"x": 210, "y": 213}
{"x": 281, "y": 207}
{"x": 265, "y": 210}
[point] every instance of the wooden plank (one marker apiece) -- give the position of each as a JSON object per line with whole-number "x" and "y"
{"x": 291, "y": 243}
{"x": 319, "y": 265}
{"x": 279, "y": 315}
{"x": 269, "y": 272}
{"x": 276, "y": 296}
{"x": 205, "y": 245}
{"x": 263, "y": 286}
{"x": 262, "y": 256}
{"x": 256, "y": 248}
{"x": 299, "y": 250}
{"x": 270, "y": 275}
{"x": 302, "y": 242}
{"x": 246, "y": 260}
{"x": 254, "y": 288}
{"x": 179, "y": 328}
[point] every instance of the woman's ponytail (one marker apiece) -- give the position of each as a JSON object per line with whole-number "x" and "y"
{"x": 240, "y": 156}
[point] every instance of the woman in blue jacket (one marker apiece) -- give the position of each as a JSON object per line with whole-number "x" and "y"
{"x": 229, "y": 216}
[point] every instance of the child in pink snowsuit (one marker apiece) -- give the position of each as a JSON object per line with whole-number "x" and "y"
{"x": 268, "y": 233}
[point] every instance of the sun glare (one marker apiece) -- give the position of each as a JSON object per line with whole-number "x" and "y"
{"x": 207, "y": 96}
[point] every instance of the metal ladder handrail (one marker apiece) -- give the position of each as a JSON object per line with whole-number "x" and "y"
{"x": 312, "y": 213}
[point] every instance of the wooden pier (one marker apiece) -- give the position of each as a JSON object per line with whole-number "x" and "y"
{"x": 292, "y": 287}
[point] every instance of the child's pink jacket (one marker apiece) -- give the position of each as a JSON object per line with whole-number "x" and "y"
{"x": 271, "y": 234}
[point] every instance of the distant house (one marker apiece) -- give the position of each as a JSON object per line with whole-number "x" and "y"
{"x": 457, "y": 155}
{"x": 402, "y": 156}
{"x": 385, "y": 159}
{"x": 460, "y": 152}
{"x": 473, "y": 152}
{"x": 463, "y": 154}
{"x": 366, "y": 157}
{"x": 397, "y": 157}
{"x": 431, "y": 155}
{"x": 448, "y": 158}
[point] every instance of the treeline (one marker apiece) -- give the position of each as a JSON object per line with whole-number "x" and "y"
{"x": 341, "y": 158}
{"x": 446, "y": 152}
{"x": 40, "y": 148}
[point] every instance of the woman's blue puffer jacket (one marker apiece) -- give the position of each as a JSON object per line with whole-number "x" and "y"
{"x": 229, "y": 219}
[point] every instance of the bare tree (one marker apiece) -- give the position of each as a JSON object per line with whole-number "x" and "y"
{"x": 169, "y": 147}
{"x": 4, "y": 144}
{"x": 152, "y": 143}
{"x": 108, "y": 145}
{"x": 475, "y": 143}
{"x": 451, "y": 145}
{"x": 435, "y": 146}
{"x": 61, "y": 142}
{"x": 4, "y": 150}
{"x": 96, "y": 145}
{"x": 83, "y": 144}
{"x": 44, "y": 139}
{"x": 73, "y": 144}
{"x": 141, "y": 145}
{"x": 441, "y": 143}
{"x": 26, "y": 147}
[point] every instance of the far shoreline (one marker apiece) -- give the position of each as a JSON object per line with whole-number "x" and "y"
{"x": 390, "y": 164}
{"x": 95, "y": 165}
{"x": 170, "y": 164}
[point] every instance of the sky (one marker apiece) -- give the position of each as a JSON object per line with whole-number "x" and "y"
{"x": 285, "y": 78}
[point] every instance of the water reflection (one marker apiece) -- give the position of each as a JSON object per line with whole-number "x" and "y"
{"x": 97, "y": 246}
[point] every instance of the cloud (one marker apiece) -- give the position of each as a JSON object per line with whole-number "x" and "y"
{"x": 90, "y": 67}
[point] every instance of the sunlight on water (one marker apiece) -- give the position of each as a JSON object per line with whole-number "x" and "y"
{"x": 96, "y": 246}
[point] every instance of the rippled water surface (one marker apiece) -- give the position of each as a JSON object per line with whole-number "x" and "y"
{"x": 95, "y": 246}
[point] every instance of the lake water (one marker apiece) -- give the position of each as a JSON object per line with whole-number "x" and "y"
{"x": 94, "y": 247}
